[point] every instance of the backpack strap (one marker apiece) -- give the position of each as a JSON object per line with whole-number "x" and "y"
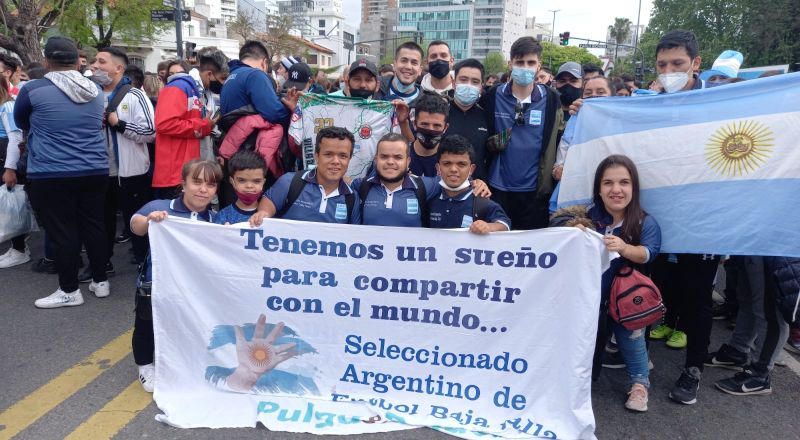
{"x": 480, "y": 206}
{"x": 350, "y": 201}
{"x": 295, "y": 188}
{"x": 422, "y": 200}
{"x": 363, "y": 191}
{"x": 118, "y": 97}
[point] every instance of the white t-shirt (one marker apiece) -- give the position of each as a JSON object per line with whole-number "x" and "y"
{"x": 367, "y": 119}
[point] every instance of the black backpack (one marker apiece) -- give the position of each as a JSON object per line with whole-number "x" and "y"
{"x": 296, "y": 187}
{"x": 421, "y": 193}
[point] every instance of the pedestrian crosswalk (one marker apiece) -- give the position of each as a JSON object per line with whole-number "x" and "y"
{"x": 106, "y": 422}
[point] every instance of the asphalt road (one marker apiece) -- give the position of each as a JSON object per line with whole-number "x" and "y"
{"x": 39, "y": 346}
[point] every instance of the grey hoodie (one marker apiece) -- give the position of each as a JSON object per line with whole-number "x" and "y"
{"x": 77, "y": 87}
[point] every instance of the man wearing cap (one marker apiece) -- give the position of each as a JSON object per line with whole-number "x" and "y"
{"x": 361, "y": 81}
{"x": 725, "y": 67}
{"x": 298, "y": 76}
{"x": 569, "y": 83}
{"x": 68, "y": 161}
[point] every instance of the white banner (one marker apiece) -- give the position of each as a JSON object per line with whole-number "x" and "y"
{"x": 339, "y": 329}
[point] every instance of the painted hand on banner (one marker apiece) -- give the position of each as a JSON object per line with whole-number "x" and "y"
{"x": 258, "y": 355}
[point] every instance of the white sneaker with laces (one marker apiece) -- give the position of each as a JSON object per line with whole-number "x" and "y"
{"x": 59, "y": 298}
{"x": 101, "y": 289}
{"x": 147, "y": 376}
{"x": 14, "y": 258}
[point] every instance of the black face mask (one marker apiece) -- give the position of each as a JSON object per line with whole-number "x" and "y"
{"x": 439, "y": 68}
{"x": 569, "y": 94}
{"x": 429, "y": 139}
{"x": 360, "y": 93}
{"x": 215, "y": 87}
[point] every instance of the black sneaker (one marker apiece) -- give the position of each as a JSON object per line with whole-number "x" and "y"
{"x": 45, "y": 266}
{"x": 745, "y": 383}
{"x": 613, "y": 360}
{"x": 727, "y": 357}
{"x": 123, "y": 238}
{"x": 685, "y": 389}
{"x": 86, "y": 275}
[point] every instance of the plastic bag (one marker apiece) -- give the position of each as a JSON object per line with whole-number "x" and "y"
{"x": 16, "y": 215}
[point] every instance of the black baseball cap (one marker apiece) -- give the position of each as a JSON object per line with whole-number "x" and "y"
{"x": 61, "y": 50}
{"x": 298, "y": 76}
{"x": 365, "y": 64}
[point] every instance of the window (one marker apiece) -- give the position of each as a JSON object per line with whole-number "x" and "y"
{"x": 322, "y": 32}
{"x": 312, "y": 59}
{"x": 136, "y": 60}
{"x": 322, "y": 24}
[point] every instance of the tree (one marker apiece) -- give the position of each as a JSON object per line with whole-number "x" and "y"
{"x": 243, "y": 26}
{"x": 98, "y": 23}
{"x": 278, "y": 40}
{"x": 554, "y": 55}
{"x": 495, "y": 63}
{"x": 620, "y": 32}
{"x": 24, "y": 22}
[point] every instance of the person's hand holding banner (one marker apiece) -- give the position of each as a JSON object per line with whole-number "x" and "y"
{"x": 258, "y": 355}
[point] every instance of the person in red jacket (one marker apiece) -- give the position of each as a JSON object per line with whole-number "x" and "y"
{"x": 180, "y": 124}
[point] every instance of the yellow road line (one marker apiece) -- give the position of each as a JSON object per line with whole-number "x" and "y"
{"x": 25, "y": 412}
{"x": 114, "y": 416}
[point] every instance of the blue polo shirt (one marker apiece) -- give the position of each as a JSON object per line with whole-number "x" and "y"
{"x": 456, "y": 212}
{"x": 396, "y": 208}
{"x": 313, "y": 205}
{"x": 174, "y": 208}
{"x": 517, "y": 168}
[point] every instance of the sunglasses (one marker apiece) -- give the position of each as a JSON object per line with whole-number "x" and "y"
{"x": 519, "y": 113}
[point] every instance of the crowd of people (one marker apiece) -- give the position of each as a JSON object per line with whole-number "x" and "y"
{"x": 467, "y": 149}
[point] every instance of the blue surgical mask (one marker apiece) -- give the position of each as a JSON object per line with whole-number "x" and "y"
{"x": 467, "y": 94}
{"x": 522, "y": 75}
{"x": 402, "y": 88}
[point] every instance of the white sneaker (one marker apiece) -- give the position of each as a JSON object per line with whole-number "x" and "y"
{"x": 14, "y": 258}
{"x": 101, "y": 289}
{"x": 147, "y": 376}
{"x": 59, "y": 298}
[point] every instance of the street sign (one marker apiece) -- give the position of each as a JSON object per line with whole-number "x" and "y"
{"x": 169, "y": 15}
{"x": 162, "y": 15}
{"x": 593, "y": 46}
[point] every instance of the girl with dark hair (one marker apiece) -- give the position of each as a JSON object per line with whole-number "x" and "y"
{"x": 636, "y": 237}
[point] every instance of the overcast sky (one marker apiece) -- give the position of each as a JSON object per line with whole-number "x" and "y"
{"x": 582, "y": 18}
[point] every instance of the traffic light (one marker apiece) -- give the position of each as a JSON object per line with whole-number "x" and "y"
{"x": 564, "y": 38}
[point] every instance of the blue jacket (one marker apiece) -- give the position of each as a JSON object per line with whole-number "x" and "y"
{"x": 65, "y": 126}
{"x": 785, "y": 273}
{"x": 247, "y": 86}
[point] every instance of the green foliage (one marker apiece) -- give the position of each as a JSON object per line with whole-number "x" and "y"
{"x": 554, "y": 55}
{"x": 97, "y": 22}
{"x": 619, "y": 32}
{"x": 765, "y": 32}
{"x": 495, "y": 63}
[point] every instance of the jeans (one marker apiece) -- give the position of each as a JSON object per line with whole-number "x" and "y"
{"x": 776, "y": 333}
{"x": 631, "y": 344}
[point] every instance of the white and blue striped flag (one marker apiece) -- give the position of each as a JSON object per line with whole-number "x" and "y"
{"x": 719, "y": 168}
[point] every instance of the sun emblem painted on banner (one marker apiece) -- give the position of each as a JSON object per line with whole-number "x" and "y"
{"x": 739, "y": 148}
{"x": 261, "y": 355}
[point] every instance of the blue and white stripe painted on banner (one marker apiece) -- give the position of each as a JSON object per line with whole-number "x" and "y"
{"x": 719, "y": 168}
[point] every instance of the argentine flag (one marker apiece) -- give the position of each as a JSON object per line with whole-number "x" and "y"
{"x": 719, "y": 168}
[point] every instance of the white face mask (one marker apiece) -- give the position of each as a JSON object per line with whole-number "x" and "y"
{"x": 675, "y": 81}
{"x": 465, "y": 184}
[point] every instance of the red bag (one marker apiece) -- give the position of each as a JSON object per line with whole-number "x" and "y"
{"x": 635, "y": 300}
